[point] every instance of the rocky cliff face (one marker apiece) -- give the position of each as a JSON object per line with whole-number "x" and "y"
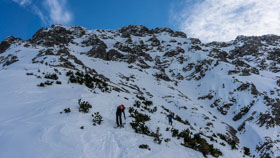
{"x": 226, "y": 95}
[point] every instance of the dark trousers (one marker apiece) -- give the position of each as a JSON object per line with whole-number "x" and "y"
{"x": 119, "y": 119}
{"x": 170, "y": 121}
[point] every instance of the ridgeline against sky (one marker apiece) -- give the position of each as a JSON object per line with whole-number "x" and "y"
{"x": 208, "y": 20}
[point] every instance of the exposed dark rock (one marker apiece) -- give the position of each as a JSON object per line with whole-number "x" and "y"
{"x": 49, "y": 52}
{"x": 179, "y": 77}
{"x": 208, "y": 96}
{"x": 129, "y": 41}
{"x": 251, "y": 46}
{"x": 4, "y": 45}
{"x": 63, "y": 52}
{"x": 179, "y": 34}
{"x": 232, "y": 72}
{"x": 93, "y": 40}
{"x": 265, "y": 148}
{"x": 241, "y": 63}
{"x": 131, "y": 58}
{"x": 160, "y": 30}
{"x": 189, "y": 67}
{"x": 245, "y": 72}
{"x": 78, "y": 31}
{"x": 218, "y": 44}
{"x": 217, "y": 53}
{"x": 278, "y": 82}
{"x": 246, "y": 86}
{"x": 270, "y": 119}
{"x": 122, "y": 47}
{"x": 157, "y": 60}
{"x": 144, "y": 146}
{"x": 162, "y": 75}
{"x": 55, "y": 35}
{"x": 195, "y": 41}
{"x": 13, "y": 40}
{"x": 274, "y": 55}
{"x": 242, "y": 126}
{"x": 175, "y": 52}
{"x": 155, "y": 41}
{"x": 181, "y": 59}
{"x": 146, "y": 56}
{"x": 113, "y": 54}
{"x": 136, "y": 30}
{"x": 98, "y": 50}
{"x": 138, "y": 49}
{"x": 143, "y": 64}
{"x": 200, "y": 69}
{"x": 230, "y": 137}
{"x": 270, "y": 39}
{"x": 224, "y": 108}
{"x": 243, "y": 87}
{"x": 195, "y": 47}
{"x": 254, "y": 71}
{"x": 10, "y": 59}
{"x": 66, "y": 63}
{"x": 274, "y": 68}
{"x": 254, "y": 90}
{"x": 243, "y": 111}
{"x": 65, "y": 59}
{"x": 125, "y": 34}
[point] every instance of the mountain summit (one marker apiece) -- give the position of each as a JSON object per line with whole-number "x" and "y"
{"x": 61, "y": 88}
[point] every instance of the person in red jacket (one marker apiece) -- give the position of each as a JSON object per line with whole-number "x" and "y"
{"x": 120, "y": 110}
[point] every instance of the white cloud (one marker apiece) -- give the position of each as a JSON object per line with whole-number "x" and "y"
{"x": 223, "y": 20}
{"x": 38, "y": 12}
{"x": 49, "y": 11}
{"x": 23, "y": 2}
{"x": 58, "y": 13}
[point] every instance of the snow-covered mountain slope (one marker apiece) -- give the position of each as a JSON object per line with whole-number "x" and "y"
{"x": 225, "y": 96}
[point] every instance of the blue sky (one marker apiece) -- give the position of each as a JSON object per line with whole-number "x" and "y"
{"x": 208, "y": 20}
{"x": 21, "y": 20}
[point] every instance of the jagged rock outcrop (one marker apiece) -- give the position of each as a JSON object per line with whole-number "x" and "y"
{"x": 55, "y": 35}
{"x": 136, "y": 30}
{"x": 4, "y": 45}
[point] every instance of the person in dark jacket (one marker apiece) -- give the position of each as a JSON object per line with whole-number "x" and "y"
{"x": 170, "y": 117}
{"x": 120, "y": 110}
